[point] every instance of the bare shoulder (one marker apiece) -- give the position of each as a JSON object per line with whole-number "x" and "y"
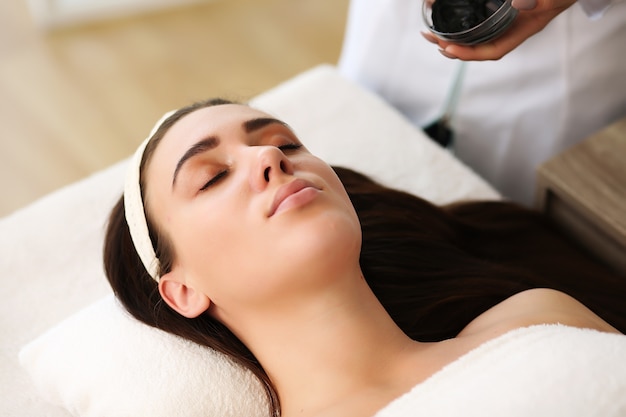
{"x": 535, "y": 306}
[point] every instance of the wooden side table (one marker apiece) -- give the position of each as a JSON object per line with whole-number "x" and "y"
{"x": 583, "y": 190}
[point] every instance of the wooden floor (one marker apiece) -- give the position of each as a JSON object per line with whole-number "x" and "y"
{"x": 76, "y": 100}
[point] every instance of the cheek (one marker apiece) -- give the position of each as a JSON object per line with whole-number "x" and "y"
{"x": 202, "y": 235}
{"x": 220, "y": 248}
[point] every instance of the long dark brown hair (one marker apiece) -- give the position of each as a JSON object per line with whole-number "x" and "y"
{"x": 437, "y": 268}
{"x": 433, "y": 268}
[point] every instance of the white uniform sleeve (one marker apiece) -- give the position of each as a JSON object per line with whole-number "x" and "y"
{"x": 594, "y": 9}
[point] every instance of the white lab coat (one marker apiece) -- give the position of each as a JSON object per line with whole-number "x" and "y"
{"x": 554, "y": 90}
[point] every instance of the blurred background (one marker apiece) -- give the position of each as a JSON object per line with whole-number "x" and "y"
{"x": 81, "y": 84}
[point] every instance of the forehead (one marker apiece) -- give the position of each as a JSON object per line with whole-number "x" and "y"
{"x": 205, "y": 122}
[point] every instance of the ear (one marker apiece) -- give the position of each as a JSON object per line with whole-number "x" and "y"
{"x": 183, "y": 299}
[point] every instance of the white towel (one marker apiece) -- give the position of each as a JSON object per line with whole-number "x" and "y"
{"x": 546, "y": 370}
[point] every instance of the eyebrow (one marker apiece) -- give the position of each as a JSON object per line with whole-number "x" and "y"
{"x": 249, "y": 126}
{"x": 197, "y": 148}
{"x": 255, "y": 124}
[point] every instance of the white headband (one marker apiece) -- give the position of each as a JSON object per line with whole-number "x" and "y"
{"x": 134, "y": 209}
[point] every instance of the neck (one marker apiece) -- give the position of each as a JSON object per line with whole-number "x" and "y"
{"x": 330, "y": 347}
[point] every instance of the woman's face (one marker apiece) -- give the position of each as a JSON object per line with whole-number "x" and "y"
{"x": 253, "y": 216}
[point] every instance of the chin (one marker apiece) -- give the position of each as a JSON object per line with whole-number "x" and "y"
{"x": 333, "y": 238}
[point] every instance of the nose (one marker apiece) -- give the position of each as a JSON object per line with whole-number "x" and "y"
{"x": 269, "y": 163}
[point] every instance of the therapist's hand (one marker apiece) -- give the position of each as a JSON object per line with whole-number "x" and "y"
{"x": 533, "y": 16}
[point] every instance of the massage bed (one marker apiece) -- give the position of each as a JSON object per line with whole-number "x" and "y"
{"x": 69, "y": 349}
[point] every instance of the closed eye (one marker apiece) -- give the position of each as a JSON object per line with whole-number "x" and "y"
{"x": 214, "y": 180}
{"x": 290, "y": 147}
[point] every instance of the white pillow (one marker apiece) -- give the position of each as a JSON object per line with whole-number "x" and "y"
{"x": 101, "y": 362}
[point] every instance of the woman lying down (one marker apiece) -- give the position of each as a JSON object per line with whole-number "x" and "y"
{"x": 346, "y": 298}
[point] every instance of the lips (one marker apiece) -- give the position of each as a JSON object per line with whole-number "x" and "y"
{"x": 290, "y": 191}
